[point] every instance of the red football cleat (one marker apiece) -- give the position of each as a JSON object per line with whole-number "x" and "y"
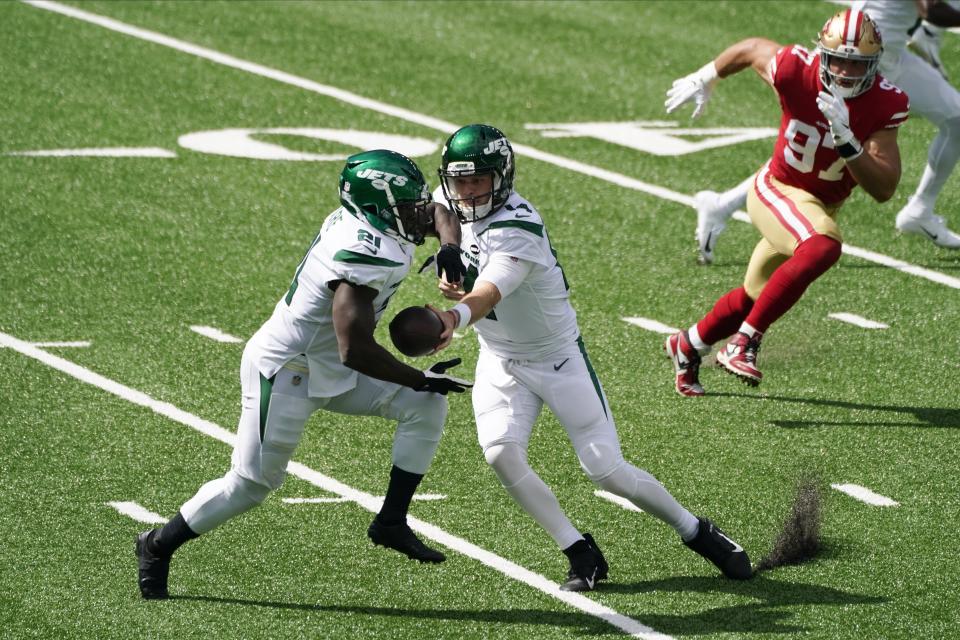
{"x": 739, "y": 357}
{"x": 686, "y": 363}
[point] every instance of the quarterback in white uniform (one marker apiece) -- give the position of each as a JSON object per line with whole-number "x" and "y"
{"x": 531, "y": 353}
{"x": 931, "y": 96}
{"x": 317, "y": 351}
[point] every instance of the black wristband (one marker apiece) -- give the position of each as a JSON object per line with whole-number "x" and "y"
{"x": 850, "y": 150}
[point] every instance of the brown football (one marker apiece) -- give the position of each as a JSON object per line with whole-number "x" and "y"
{"x": 415, "y": 331}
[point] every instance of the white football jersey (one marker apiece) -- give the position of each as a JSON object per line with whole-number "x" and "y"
{"x": 347, "y": 248}
{"x": 535, "y": 320}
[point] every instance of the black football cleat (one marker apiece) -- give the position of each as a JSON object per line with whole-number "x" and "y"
{"x": 714, "y": 545}
{"x": 153, "y": 569}
{"x": 586, "y": 568}
{"x": 401, "y": 537}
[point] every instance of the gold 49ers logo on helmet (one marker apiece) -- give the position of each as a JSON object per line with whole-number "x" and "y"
{"x": 853, "y": 36}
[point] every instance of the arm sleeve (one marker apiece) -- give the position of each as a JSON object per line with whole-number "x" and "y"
{"x": 505, "y": 272}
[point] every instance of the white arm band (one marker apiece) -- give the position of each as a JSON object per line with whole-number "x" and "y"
{"x": 463, "y": 313}
{"x": 505, "y": 272}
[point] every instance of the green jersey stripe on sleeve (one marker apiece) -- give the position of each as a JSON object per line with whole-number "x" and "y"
{"x": 353, "y": 257}
{"x": 530, "y": 227}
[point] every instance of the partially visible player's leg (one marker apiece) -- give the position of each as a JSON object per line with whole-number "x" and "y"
{"x": 420, "y": 419}
{"x": 713, "y": 211}
{"x": 506, "y": 410}
{"x": 798, "y": 227}
{"x": 576, "y": 397}
{"x": 931, "y": 97}
{"x": 272, "y": 420}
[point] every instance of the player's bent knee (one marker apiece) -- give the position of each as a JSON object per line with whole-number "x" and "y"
{"x": 509, "y": 462}
{"x": 242, "y": 491}
{"x": 599, "y": 461}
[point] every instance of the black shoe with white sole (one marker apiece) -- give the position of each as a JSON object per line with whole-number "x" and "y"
{"x": 401, "y": 537}
{"x": 587, "y": 567}
{"x": 714, "y": 545}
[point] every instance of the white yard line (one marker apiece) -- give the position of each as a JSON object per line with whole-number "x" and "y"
{"x": 859, "y": 321}
{"x": 214, "y": 334}
{"x": 419, "y": 496}
{"x": 111, "y": 152}
{"x": 615, "y": 499}
{"x": 865, "y": 495}
{"x": 437, "y": 124}
{"x": 651, "y": 325}
{"x": 367, "y": 501}
{"x": 138, "y": 513}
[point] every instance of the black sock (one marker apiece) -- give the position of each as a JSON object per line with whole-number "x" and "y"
{"x": 400, "y": 492}
{"x": 169, "y": 537}
{"x": 578, "y": 547}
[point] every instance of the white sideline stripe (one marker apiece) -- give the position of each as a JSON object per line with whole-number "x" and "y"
{"x": 435, "y": 123}
{"x": 214, "y": 334}
{"x": 651, "y": 325}
{"x": 419, "y": 496}
{"x": 109, "y": 152}
{"x": 367, "y": 501}
{"x": 76, "y": 343}
{"x": 865, "y": 495}
{"x": 615, "y": 499}
{"x": 857, "y": 320}
{"x": 138, "y": 513}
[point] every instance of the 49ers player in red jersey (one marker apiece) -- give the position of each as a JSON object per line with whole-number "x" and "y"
{"x": 838, "y": 130}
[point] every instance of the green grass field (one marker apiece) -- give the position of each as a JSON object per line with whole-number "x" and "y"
{"x": 127, "y": 253}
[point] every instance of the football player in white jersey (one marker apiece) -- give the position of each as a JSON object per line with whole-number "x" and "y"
{"x": 317, "y": 351}
{"x": 531, "y": 354}
{"x": 931, "y": 96}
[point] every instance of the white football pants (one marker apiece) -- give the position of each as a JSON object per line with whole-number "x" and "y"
{"x": 272, "y": 422}
{"x": 939, "y": 102}
{"x": 507, "y": 398}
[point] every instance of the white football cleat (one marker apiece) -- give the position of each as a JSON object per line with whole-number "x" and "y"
{"x": 711, "y": 221}
{"x": 929, "y": 225}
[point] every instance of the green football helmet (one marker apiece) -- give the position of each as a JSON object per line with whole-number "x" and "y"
{"x": 476, "y": 150}
{"x": 389, "y": 191}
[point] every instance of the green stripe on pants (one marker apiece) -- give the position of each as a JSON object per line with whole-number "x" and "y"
{"x": 593, "y": 374}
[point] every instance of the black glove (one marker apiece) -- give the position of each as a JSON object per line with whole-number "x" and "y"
{"x": 449, "y": 262}
{"x": 437, "y": 381}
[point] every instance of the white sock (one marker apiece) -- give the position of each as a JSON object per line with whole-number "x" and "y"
{"x": 697, "y": 342}
{"x": 645, "y": 491}
{"x": 735, "y": 198}
{"x": 941, "y": 159}
{"x": 750, "y": 331}
{"x": 538, "y": 500}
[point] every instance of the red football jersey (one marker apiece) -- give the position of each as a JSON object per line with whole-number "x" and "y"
{"x": 804, "y": 155}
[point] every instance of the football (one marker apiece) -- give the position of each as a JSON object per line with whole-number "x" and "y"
{"x": 415, "y": 331}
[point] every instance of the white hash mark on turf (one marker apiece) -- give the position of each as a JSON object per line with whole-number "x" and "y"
{"x": 860, "y": 321}
{"x": 138, "y": 513}
{"x": 443, "y": 126}
{"x": 419, "y": 496}
{"x": 651, "y": 325}
{"x": 623, "y": 502}
{"x": 214, "y": 334}
{"x": 368, "y": 501}
{"x": 75, "y": 343}
{"x": 865, "y": 495}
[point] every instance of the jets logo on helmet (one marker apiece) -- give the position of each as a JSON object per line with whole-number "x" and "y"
{"x": 850, "y": 35}
{"x": 476, "y": 172}
{"x": 388, "y": 190}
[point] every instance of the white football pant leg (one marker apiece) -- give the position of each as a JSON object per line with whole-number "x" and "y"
{"x": 575, "y": 396}
{"x": 258, "y": 467}
{"x": 938, "y": 101}
{"x": 420, "y": 418}
{"x": 505, "y": 412}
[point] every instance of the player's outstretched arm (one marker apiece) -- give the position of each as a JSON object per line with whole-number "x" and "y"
{"x": 472, "y": 306}
{"x": 354, "y": 320}
{"x": 697, "y": 87}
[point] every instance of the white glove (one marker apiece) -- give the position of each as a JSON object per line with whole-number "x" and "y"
{"x": 834, "y": 108}
{"x": 925, "y": 42}
{"x": 695, "y": 87}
